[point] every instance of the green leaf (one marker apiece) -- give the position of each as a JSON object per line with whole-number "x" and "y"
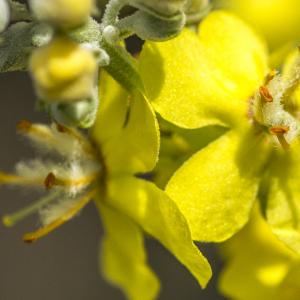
{"x": 123, "y": 258}
{"x": 159, "y": 216}
{"x": 122, "y": 67}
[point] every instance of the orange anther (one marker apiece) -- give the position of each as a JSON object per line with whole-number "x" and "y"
{"x": 265, "y": 94}
{"x": 279, "y": 129}
{"x": 50, "y": 181}
{"x": 24, "y": 125}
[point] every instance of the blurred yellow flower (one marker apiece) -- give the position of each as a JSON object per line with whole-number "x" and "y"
{"x": 63, "y": 71}
{"x": 65, "y": 14}
{"x": 277, "y": 20}
{"x": 258, "y": 266}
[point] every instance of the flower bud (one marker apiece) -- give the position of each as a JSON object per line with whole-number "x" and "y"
{"x": 4, "y": 14}
{"x": 163, "y": 7}
{"x": 195, "y": 10}
{"x": 63, "y": 71}
{"x": 65, "y": 14}
{"x": 76, "y": 114}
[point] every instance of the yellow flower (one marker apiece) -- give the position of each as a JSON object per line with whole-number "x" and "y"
{"x": 210, "y": 79}
{"x": 65, "y": 14}
{"x": 258, "y": 266}
{"x": 124, "y": 143}
{"x": 278, "y": 20}
{"x": 63, "y": 71}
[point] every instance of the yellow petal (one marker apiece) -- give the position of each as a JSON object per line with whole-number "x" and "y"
{"x": 283, "y": 205}
{"x": 158, "y": 215}
{"x": 257, "y": 263}
{"x": 290, "y": 287}
{"x": 278, "y": 20}
{"x": 215, "y": 189}
{"x": 123, "y": 257}
{"x": 196, "y": 81}
{"x": 126, "y": 129}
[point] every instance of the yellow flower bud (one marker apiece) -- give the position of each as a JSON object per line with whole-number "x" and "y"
{"x": 63, "y": 71}
{"x": 65, "y": 14}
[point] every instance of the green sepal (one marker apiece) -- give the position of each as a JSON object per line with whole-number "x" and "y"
{"x": 90, "y": 32}
{"x": 122, "y": 67}
{"x": 152, "y": 26}
{"x": 75, "y": 114}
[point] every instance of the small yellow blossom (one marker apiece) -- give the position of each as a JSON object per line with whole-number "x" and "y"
{"x": 63, "y": 71}
{"x": 223, "y": 79}
{"x": 65, "y": 14}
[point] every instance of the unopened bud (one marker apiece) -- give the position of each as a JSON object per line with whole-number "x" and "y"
{"x": 162, "y": 7}
{"x": 65, "y": 14}
{"x": 4, "y": 14}
{"x": 63, "y": 71}
{"x": 77, "y": 114}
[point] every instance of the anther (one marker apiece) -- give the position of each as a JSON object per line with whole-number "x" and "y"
{"x": 50, "y": 181}
{"x": 61, "y": 128}
{"x": 280, "y": 129}
{"x": 24, "y": 126}
{"x": 265, "y": 94}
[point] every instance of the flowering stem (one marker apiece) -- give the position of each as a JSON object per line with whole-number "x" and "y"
{"x": 112, "y": 11}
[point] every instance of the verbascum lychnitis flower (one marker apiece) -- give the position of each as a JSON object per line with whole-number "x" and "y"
{"x": 258, "y": 266}
{"x": 222, "y": 79}
{"x": 63, "y": 71}
{"x": 65, "y": 14}
{"x": 106, "y": 167}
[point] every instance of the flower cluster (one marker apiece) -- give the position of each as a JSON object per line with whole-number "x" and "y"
{"x": 191, "y": 140}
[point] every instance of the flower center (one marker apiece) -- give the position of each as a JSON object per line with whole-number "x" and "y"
{"x": 273, "y": 109}
{"x": 71, "y": 178}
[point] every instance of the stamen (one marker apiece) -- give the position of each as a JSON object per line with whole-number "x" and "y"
{"x": 279, "y": 131}
{"x": 265, "y": 94}
{"x": 52, "y": 180}
{"x": 19, "y": 180}
{"x": 32, "y": 237}
{"x": 36, "y": 130}
{"x": 11, "y": 220}
{"x": 86, "y": 146}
